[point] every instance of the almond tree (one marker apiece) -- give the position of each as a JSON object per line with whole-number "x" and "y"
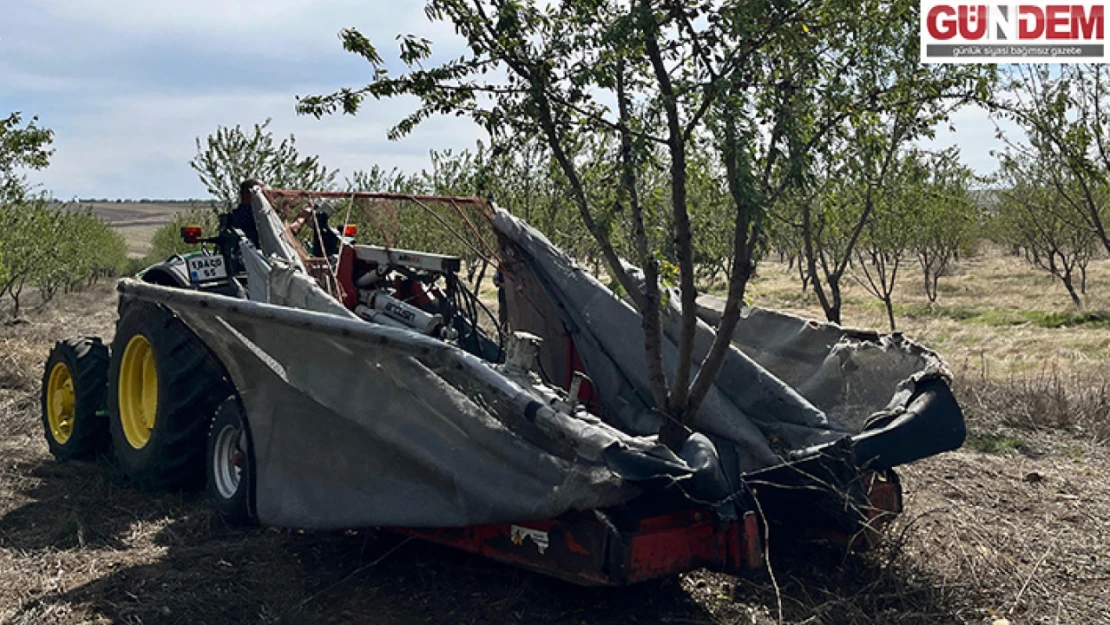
{"x": 45, "y": 244}
{"x": 1065, "y": 113}
{"x": 885, "y": 243}
{"x": 27, "y": 243}
{"x": 760, "y": 86}
{"x": 946, "y": 218}
{"x": 52, "y": 246}
{"x": 1029, "y": 218}
{"x": 231, "y": 155}
{"x": 82, "y": 248}
{"x": 856, "y": 170}
{"x": 21, "y": 147}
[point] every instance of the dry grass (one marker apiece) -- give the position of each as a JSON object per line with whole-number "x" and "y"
{"x": 1017, "y": 526}
{"x": 991, "y": 314}
{"x": 25, "y": 344}
{"x": 1028, "y": 531}
{"x": 1076, "y": 403}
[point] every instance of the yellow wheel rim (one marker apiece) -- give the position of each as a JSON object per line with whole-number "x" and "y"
{"x": 138, "y": 391}
{"x": 60, "y": 410}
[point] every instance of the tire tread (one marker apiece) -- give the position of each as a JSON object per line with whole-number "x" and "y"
{"x": 87, "y": 359}
{"x": 191, "y": 385}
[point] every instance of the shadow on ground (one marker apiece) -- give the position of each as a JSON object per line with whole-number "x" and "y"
{"x": 166, "y": 558}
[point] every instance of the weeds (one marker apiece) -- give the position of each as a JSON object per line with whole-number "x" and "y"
{"x": 1002, "y": 318}
{"x": 1077, "y": 402}
{"x": 955, "y": 312}
{"x": 995, "y": 443}
{"x": 1094, "y": 319}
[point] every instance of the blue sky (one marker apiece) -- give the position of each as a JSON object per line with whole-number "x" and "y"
{"x": 128, "y": 85}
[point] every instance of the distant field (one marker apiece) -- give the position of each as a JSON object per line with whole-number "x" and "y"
{"x": 137, "y": 221}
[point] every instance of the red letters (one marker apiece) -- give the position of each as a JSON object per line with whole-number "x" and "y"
{"x": 971, "y": 22}
{"x": 1058, "y": 22}
{"x": 941, "y": 22}
{"x": 1054, "y": 22}
{"x": 1030, "y": 22}
{"x": 1087, "y": 26}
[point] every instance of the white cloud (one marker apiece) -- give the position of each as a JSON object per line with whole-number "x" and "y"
{"x": 140, "y": 146}
{"x": 129, "y": 84}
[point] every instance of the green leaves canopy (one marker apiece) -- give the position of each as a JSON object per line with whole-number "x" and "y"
{"x": 21, "y": 147}
{"x": 231, "y": 155}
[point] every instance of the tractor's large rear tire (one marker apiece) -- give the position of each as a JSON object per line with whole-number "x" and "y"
{"x": 73, "y": 386}
{"x": 163, "y": 389}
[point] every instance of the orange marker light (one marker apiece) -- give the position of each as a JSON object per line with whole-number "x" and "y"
{"x": 191, "y": 234}
{"x": 350, "y": 230}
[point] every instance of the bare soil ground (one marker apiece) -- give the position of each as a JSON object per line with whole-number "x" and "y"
{"x": 1016, "y": 526}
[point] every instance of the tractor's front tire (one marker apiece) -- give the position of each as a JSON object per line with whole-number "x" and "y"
{"x": 73, "y": 386}
{"x": 163, "y": 389}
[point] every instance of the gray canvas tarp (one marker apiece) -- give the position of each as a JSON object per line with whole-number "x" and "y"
{"x": 355, "y": 424}
{"x": 848, "y": 374}
{"x": 787, "y": 388}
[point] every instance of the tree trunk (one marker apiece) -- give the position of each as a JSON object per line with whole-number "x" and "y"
{"x": 651, "y": 315}
{"x": 746, "y": 236}
{"x": 832, "y": 308}
{"x": 1066, "y": 279}
{"x": 678, "y": 401}
{"x": 15, "y": 292}
{"x": 928, "y": 274}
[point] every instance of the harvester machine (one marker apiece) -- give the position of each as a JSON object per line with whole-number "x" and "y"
{"x": 483, "y": 391}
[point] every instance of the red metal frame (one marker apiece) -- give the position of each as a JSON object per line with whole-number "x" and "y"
{"x": 585, "y": 549}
